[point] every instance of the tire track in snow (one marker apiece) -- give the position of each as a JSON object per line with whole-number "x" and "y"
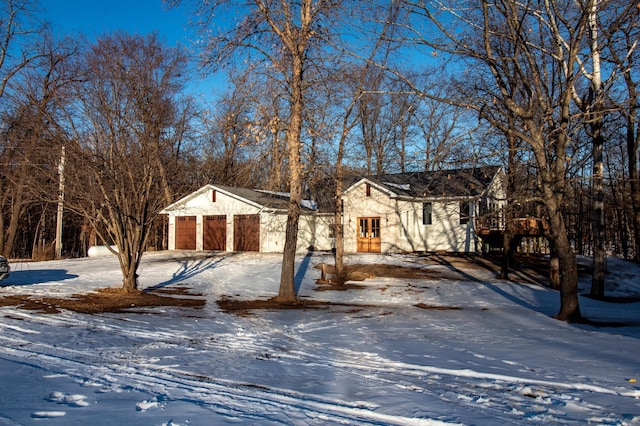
{"x": 223, "y": 396}
{"x": 504, "y": 394}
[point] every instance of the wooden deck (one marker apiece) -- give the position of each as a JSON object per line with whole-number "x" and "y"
{"x": 523, "y": 227}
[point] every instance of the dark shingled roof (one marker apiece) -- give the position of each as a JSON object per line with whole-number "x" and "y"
{"x": 264, "y": 198}
{"x": 466, "y": 182}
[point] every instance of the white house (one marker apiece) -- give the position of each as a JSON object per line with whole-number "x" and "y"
{"x": 424, "y": 211}
{"x": 217, "y": 217}
{"x": 408, "y": 212}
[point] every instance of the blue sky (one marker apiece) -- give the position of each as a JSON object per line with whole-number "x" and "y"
{"x": 96, "y": 17}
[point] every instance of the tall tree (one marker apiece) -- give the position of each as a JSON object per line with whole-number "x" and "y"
{"x": 21, "y": 43}
{"x": 286, "y": 35}
{"x": 622, "y": 44}
{"x": 130, "y": 124}
{"x": 520, "y": 71}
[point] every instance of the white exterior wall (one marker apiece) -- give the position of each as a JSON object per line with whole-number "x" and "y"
{"x": 357, "y": 204}
{"x": 401, "y": 228}
{"x": 314, "y": 230}
{"x": 445, "y": 232}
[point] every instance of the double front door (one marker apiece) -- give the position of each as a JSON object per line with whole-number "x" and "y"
{"x": 368, "y": 238}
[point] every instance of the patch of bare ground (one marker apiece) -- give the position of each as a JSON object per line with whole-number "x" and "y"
{"x": 361, "y": 272}
{"x": 437, "y": 308}
{"x": 114, "y": 300}
{"x": 244, "y": 307}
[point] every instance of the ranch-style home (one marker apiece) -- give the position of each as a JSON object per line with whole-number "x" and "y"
{"x": 423, "y": 212}
{"x": 408, "y": 212}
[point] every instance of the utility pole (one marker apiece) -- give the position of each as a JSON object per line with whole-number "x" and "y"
{"x": 60, "y": 205}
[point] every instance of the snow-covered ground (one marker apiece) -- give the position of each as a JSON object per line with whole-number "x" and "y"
{"x": 500, "y": 358}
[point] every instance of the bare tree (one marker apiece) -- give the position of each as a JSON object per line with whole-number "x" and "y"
{"x": 20, "y": 49}
{"x": 520, "y": 70}
{"x": 228, "y": 133}
{"x": 20, "y": 40}
{"x": 129, "y": 125}
{"x": 622, "y": 45}
{"x": 605, "y": 20}
{"x": 32, "y": 138}
{"x": 285, "y": 34}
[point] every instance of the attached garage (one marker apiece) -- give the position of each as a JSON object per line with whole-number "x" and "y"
{"x": 221, "y": 218}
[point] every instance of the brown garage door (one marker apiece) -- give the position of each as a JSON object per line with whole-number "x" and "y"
{"x": 246, "y": 232}
{"x": 215, "y": 233}
{"x": 185, "y": 233}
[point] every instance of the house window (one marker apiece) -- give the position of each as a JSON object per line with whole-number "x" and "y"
{"x": 427, "y": 209}
{"x": 213, "y": 196}
{"x": 368, "y": 190}
{"x": 465, "y": 212}
{"x": 375, "y": 227}
{"x": 332, "y": 230}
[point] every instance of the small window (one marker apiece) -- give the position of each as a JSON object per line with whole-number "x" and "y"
{"x": 368, "y": 190}
{"x": 427, "y": 209}
{"x": 213, "y": 196}
{"x": 465, "y": 212}
{"x": 375, "y": 227}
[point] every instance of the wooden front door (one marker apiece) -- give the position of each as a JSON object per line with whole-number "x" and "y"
{"x": 185, "y": 233}
{"x": 246, "y": 232}
{"x": 215, "y": 233}
{"x": 368, "y": 239}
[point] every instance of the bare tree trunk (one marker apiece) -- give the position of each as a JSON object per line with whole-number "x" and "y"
{"x": 129, "y": 275}
{"x": 17, "y": 212}
{"x": 634, "y": 176}
{"x": 507, "y": 238}
{"x": 507, "y": 249}
{"x": 633, "y": 144}
{"x": 597, "y": 281}
{"x": 569, "y": 306}
{"x": 595, "y": 117}
{"x": 286, "y": 292}
{"x": 554, "y": 266}
{"x": 339, "y": 275}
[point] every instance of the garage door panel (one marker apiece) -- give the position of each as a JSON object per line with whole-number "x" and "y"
{"x": 215, "y": 233}
{"x": 185, "y": 233}
{"x": 246, "y": 232}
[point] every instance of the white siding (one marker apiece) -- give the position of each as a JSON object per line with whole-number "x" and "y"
{"x": 401, "y": 223}
{"x": 313, "y": 230}
{"x": 378, "y": 204}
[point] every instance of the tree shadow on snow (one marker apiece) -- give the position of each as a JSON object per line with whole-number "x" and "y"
{"x": 469, "y": 277}
{"x": 26, "y": 277}
{"x": 302, "y": 269}
{"x": 190, "y": 267}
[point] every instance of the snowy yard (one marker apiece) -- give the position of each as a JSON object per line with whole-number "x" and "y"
{"x": 491, "y": 353}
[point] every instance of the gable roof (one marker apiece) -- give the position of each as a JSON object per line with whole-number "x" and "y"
{"x": 260, "y": 199}
{"x": 466, "y": 182}
{"x": 270, "y": 200}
